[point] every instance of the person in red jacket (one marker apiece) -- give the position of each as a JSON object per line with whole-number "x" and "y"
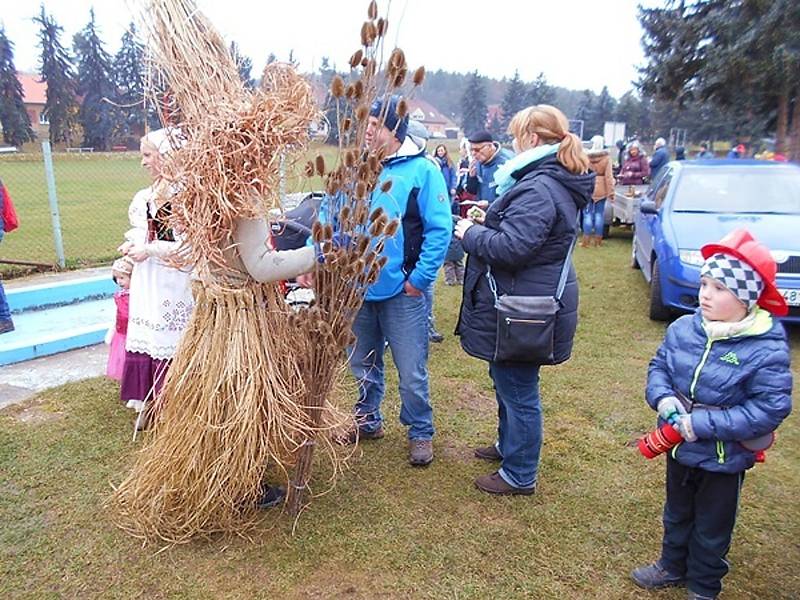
{"x": 6, "y": 324}
{"x": 635, "y": 168}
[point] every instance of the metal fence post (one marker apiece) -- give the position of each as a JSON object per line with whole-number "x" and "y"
{"x": 51, "y": 194}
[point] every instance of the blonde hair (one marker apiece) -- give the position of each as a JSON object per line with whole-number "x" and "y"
{"x": 552, "y": 127}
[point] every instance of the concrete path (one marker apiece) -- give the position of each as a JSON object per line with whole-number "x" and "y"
{"x": 21, "y": 381}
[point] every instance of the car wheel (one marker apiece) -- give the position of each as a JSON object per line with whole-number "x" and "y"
{"x": 658, "y": 312}
{"x": 634, "y": 261}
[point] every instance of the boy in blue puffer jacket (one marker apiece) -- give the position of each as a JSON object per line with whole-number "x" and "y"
{"x": 722, "y": 379}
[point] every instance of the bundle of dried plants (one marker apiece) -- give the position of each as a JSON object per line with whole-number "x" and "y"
{"x": 250, "y": 392}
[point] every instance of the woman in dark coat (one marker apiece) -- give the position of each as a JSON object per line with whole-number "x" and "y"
{"x": 524, "y": 238}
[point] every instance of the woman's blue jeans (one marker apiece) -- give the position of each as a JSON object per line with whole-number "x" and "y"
{"x": 519, "y": 430}
{"x": 594, "y": 217}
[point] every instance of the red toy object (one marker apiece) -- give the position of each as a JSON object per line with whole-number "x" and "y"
{"x": 659, "y": 441}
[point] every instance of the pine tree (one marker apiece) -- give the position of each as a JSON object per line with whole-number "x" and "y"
{"x": 244, "y": 64}
{"x": 61, "y": 108}
{"x": 13, "y": 116}
{"x": 128, "y": 76}
{"x": 604, "y": 110}
{"x": 540, "y": 92}
{"x": 586, "y": 113}
{"x": 513, "y": 102}
{"x": 473, "y": 104}
{"x": 95, "y": 85}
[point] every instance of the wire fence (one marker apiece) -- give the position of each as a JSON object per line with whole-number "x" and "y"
{"x": 79, "y": 206}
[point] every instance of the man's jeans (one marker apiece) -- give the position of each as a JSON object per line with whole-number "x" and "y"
{"x": 401, "y": 321}
{"x": 429, "y": 319}
{"x": 519, "y": 430}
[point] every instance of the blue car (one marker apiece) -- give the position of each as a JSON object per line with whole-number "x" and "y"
{"x": 696, "y": 202}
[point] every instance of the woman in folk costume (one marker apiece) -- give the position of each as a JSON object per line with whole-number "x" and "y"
{"x": 160, "y": 291}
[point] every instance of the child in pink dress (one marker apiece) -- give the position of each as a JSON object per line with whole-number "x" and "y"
{"x": 121, "y": 274}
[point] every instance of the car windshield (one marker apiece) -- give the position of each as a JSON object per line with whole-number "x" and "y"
{"x": 758, "y": 190}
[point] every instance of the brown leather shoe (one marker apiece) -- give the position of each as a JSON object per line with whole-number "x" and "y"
{"x": 494, "y": 484}
{"x": 487, "y": 453}
{"x": 420, "y": 452}
{"x": 355, "y": 435}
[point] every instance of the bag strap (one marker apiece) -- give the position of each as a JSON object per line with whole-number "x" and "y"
{"x": 562, "y": 280}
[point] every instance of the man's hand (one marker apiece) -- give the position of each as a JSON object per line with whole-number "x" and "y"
{"x": 410, "y": 290}
{"x": 683, "y": 425}
{"x": 669, "y": 408}
{"x": 461, "y": 228}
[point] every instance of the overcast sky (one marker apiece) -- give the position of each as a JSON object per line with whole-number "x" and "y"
{"x": 576, "y": 43}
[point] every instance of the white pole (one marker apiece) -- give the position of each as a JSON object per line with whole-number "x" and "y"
{"x": 51, "y": 194}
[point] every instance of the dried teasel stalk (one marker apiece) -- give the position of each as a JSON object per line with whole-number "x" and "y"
{"x": 337, "y": 87}
{"x": 419, "y": 76}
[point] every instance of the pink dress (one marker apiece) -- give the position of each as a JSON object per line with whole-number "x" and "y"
{"x": 116, "y": 354}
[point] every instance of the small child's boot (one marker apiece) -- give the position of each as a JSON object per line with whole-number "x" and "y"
{"x": 654, "y": 576}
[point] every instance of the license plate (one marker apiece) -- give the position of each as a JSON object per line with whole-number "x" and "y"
{"x": 792, "y": 297}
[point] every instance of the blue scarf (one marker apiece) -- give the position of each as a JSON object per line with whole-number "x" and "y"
{"x": 503, "y": 178}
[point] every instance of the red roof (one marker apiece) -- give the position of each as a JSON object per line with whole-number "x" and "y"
{"x": 33, "y": 90}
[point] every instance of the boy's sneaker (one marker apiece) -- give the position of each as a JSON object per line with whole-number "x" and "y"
{"x": 420, "y": 452}
{"x": 488, "y": 453}
{"x": 654, "y": 576}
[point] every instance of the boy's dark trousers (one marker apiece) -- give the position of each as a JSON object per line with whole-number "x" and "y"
{"x": 699, "y": 516}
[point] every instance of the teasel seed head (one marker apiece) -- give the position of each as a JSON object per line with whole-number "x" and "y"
{"x": 344, "y": 214}
{"x": 386, "y": 186}
{"x": 349, "y": 91}
{"x": 400, "y": 78}
{"x": 347, "y": 123}
{"x": 349, "y": 159}
{"x": 372, "y": 11}
{"x": 402, "y": 108}
{"x": 369, "y": 68}
{"x": 337, "y": 86}
{"x": 361, "y": 190}
{"x": 383, "y": 25}
{"x": 320, "y": 164}
{"x": 361, "y": 112}
{"x": 316, "y": 232}
{"x": 374, "y": 163}
{"x": 368, "y": 33}
{"x": 355, "y": 60}
{"x": 397, "y": 59}
{"x": 327, "y": 231}
{"x": 359, "y": 90}
{"x": 379, "y": 247}
{"x": 391, "y": 228}
{"x": 364, "y": 62}
{"x": 362, "y": 245}
{"x": 382, "y": 261}
{"x": 419, "y": 76}
{"x": 376, "y": 214}
{"x": 309, "y": 169}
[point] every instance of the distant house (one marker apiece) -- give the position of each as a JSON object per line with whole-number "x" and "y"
{"x": 35, "y": 96}
{"x": 435, "y": 122}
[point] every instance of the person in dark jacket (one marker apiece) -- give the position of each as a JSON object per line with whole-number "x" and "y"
{"x": 489, "y": 156}
{"x": 722, "y": 379}
{"x": 635, "y": 168}
{"x": 660, "y": 157}
{"x": 524, "y": 239}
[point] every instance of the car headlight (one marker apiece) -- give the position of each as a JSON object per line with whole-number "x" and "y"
{"x": 691, "y": 257}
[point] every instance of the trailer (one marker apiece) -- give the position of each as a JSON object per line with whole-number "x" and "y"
{"x": 621, "y": 209}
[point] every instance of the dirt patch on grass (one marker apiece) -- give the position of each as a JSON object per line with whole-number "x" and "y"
{"x": 33, "y": 412}
{"x": 468, "y": 397}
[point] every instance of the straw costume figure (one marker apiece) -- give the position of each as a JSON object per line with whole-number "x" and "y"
{"x": 248, "y": 396}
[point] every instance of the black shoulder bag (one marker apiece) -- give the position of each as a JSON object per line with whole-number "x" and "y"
{"x": 526, "y": 324}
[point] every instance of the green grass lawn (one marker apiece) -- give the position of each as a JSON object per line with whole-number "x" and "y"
{"x": 389, "y": 530}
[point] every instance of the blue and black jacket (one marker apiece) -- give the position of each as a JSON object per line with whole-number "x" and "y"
{"x": 740, "y": 388}
{"x": 419, "y": 199}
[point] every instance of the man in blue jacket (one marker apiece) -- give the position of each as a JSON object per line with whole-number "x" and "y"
{"x": 659, "y": 159}
{"x": 489, "y": 156}
{"x": 394, "y": 307}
